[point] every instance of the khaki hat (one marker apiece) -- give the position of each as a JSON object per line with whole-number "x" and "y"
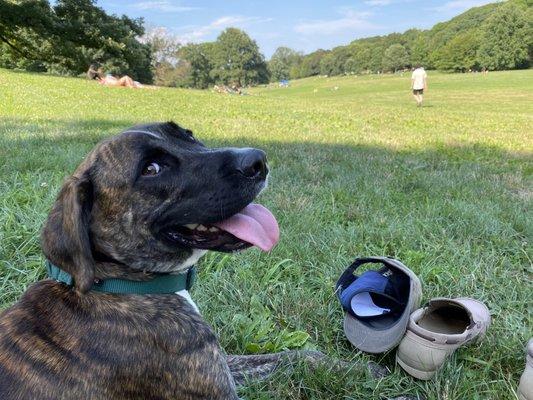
{"x": 380, "y": 323}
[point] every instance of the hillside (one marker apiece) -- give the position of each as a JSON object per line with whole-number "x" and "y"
{"x": 496, "y": 36}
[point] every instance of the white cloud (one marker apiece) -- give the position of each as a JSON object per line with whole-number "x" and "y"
{"x": 459, "y": 5}
{"x": 162, "y": 5}
{"x": 202, "y": 32}
{"x": 349, "y": 21}
{"x": 378, "y": 2}
{"x": 381, "y": 3}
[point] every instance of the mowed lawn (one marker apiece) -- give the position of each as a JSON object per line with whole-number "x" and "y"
{"x": 357, "y": 170}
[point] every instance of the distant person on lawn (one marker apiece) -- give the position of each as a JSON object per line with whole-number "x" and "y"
{"x": 418, "y": 84}
{"x": 109, "y": 80}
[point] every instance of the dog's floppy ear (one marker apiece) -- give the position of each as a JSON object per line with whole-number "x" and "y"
{"x": 65, "y": 237}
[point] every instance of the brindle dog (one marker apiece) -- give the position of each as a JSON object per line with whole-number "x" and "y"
{"x": 123, "y": 214}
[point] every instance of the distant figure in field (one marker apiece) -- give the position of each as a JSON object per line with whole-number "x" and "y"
{"x": 97, "y": 74}
{"x": 110, "y": 80}
{"x": 418, "y": 84}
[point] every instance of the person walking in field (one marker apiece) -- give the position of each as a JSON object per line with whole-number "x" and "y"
{"x": 418, "y": 84}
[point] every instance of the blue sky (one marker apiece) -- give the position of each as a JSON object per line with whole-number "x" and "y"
{"x": 301, "y": 25}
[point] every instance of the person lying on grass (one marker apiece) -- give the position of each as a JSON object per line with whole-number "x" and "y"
{"x": 110, "y": 80}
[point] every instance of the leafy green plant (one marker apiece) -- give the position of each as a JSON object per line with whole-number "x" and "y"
{"x": 261, "y": 334}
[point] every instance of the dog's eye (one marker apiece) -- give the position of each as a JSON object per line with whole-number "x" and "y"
{"x": 151, "y": 169}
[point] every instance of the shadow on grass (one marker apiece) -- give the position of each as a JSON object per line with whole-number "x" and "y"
{"x": 54, "y": 136}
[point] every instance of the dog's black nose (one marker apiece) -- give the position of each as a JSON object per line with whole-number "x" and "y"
{"x": 252, "y": 163}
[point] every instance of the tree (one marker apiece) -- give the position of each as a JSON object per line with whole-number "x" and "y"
{"x": 237, "y": 59}
{"x": 376, "y": 57}
{"x": 460, "y": 53}
{"x": 200, "y": 57}
{"x": 506, "y": 39}
{"x": 351, "y": 66}
{"x": 363, "y": 58}
{"x": 420, "y": 51}
{"x": 233, "y": 59}
{"x": 24, "y": 27}
{"x": 163, "y": 46}
{"x": 311, "y": 63}
{"x": 529, "y": 17}
{"x": 395, "y": 58}
{"x": 282, "y": 63}
{"x": 69, "y": 36}
{"x": 88, "y": 34}
{"x": 166, "y": 65}
{"x": 333, "y": 62}
{"x": 164, "y": 61}
{"x": 327, "y": 64}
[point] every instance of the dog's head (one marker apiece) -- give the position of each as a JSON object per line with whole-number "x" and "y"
{"x": 155, "y": 199}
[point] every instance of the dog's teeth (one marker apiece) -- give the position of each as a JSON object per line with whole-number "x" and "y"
{"x": 191, "y": 226}
{"x": 213, "y": 229}
{"x": 201, "y": 228}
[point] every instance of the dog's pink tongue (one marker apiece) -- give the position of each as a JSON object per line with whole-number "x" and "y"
{"x": 255, "y": 224}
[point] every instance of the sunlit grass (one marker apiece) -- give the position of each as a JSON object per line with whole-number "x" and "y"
{"x": 356, "y": 170}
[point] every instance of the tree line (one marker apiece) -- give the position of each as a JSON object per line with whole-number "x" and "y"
{"x": 68, "y": 36}
{"x": 496, "y": 36}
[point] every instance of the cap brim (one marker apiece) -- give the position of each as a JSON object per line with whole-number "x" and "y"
{"x": 372, "y": 340}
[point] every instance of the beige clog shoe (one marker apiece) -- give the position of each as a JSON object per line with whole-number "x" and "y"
{"x": 437, "y": 330}
{"x": 525, "y": 388}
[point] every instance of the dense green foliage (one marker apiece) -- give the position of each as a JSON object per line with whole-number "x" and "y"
{"x": 198, "y": 60}
{"x": 356, "y": 171}
{"x": 395, "y": 58}
{"x": 69, "y": 36}
{"x": 281, "y": 63}
{"x": 237, "y": 60}
{"x": 505, "y": 40}
{"x": 496, "y": 36}
{"x": 233, "y": 59}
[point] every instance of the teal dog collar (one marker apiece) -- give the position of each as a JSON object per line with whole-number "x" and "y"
{"x": 160, "y": 284}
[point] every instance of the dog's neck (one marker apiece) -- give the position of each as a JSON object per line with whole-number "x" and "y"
{"x": 113, "y": 269}
{"x": 107, "y": 268}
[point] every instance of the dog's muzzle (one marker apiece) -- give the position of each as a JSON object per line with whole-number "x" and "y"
{"x": 253, "y": 225}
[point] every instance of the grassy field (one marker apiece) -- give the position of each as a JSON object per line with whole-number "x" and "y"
{"x": 357, "y": 170}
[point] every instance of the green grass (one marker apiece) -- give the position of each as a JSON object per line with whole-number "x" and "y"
{"x": 446, "y": 188}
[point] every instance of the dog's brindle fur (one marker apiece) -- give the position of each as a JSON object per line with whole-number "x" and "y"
{"x": 60, "y": 342}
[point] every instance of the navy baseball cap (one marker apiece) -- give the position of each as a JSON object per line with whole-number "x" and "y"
{"x": 378, "y": 303}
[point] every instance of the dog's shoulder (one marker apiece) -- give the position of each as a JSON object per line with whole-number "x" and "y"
{"x": 48, "y": 302}
{"x": 107, "y": 342}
